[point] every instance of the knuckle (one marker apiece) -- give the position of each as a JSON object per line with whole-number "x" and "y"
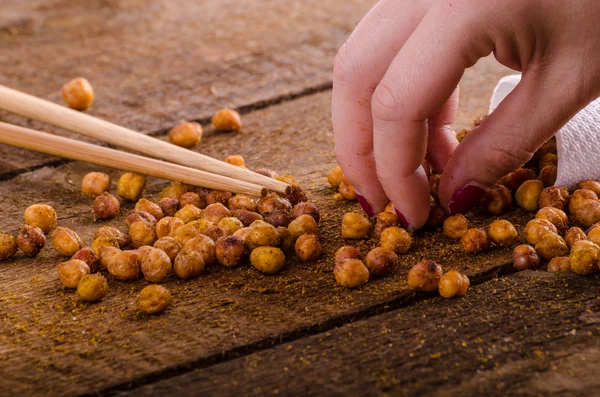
{"x": 386, "y": 103}
{"x": 501, "y": 160}
{"x": 346, "y": 68}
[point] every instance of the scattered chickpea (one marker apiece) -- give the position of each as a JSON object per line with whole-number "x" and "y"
{"x": 588, "y": 212}
{"x": 548, "y": 159}
{"x": 31, "y": 240}
{"x": 381, "y": 261}
{"x": 264, "y": 234}
{"x": 168, "y": 206}
{"x": 205, "y": 246}
{"x": 149, "y": 207}
{"x": 218, "y": 196}
{"x": 286, "y": 242}
{"x": 525, "y": 257}
{"x": 143, "y": 250}
{"x": 201, "y": 225}
{"x": 503, "y": 233}
{"x": 385, "y": 220}
{"x": 548, "y": 147}
{"x": 186, "y": 134}
{"x": 278, "y": 218}
{"x": 174, "y": 190}
{"x": 437, "y": 215}
{"x": 42, "y": 216}
{"x": 296, "y": 195}
{"x": 92, "y": 287}
{"x": 335, "y": 176}
{"x": 434, "y": 183}
{"x": 536, "y": 228}
{"x": 272, "y": 202}
{"x": 78, "y": 93}
{"x": 184, "y": 233}
{"x": 548, "y": 175}
{"x": 153, "y": 299}
{"x": 354, "y": 225}
{"x": 95, "y": 183}
{"x": 346, "y": 189}
{"x": 66, "y": 242}
{"x": 424, "y": 276}
{"x": 8, "y": 246}
{"x": 347, "y": 252}
{"x": 155, "y": 265}
{"x": 594, "y": 236}
{"x": 266, "y": 172}
{"x": 351, "y": 273}
{"x": 230, "y": 225}
{"x": 453, "y": 284}
{"x": 460, "y": 135}
{"x": 243, "y": 202}
{"x": 131, "y": 186}
{"x": 247, "y": 217}
{"x": 230, "y": 251}
{"x": 109, "y": 231}
{"x": 188, "y": 264}
{"x": 584, "y": 257}
{"x": 578, "y": 197}
{"x": 555, "y": 216}
{"x": 554, "y": 196}
{"x": 142, "y": 233}
{"x": 475, "y": 240}
{"x": 515, "y": 179}
{"x": 287, "y": 178}
{"x": 227, "y": 120}
{"x": 189, "y": 213}
{"x": 268, "y": 260}
{"x": 104, "y": 242}
{"x": 456, "y": 226}
{"x": 71, "y": 272}
{"x": 215, "y": 233}
{"x": 243, "y": 233}
{"x": 107, "y": 254}
{"x": 559, "y": 264}
{"x": 304, "y": 224}
{"x": 590, "y": 184}
{"x": 125, "y": 265}
{"x": 191, "y": 198}
{"x": 396, "y": 239}
{"x": 308, "y": 247}
{"x": 497, "y": 200}
{"x": 169, "y": 245}
{"x": 140, "y": 216}
{"x": 87, "y": 255}
{"x": 573, "y": 235}
{"x": 236, "y": 160}
{"x": 528, "y": 194}
{"x": 215, "y": 212}
{"x": 106, "y": 206}
{"x": 551, "y": 245}
{"x": 167, "y": 225}
{"x": 306, "y": 208}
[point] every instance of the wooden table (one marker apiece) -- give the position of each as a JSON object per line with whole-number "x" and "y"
{"x": 234, "y": 331}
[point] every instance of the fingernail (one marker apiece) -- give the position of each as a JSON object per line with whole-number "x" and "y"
{"x": 364, "y": 204}
{"x": 402, "y": 220}
{"x": 465, "y": 199}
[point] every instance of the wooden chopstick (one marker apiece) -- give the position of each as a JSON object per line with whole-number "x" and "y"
{"x": 39, "y": 109}
{"x": 69, "y": 148}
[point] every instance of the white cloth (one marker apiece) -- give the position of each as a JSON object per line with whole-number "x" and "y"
{"x": 577, "y": 143}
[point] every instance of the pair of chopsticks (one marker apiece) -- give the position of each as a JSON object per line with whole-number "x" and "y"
{"x": 190, "y": 168}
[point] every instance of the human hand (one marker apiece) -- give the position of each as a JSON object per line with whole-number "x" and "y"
{"x": 395, "y": 94}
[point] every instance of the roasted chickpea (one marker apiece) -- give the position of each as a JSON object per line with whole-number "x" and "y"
{"x": 306, "y": 208}
{"x": 87, "y": 255}
{"x": 525, "y": 257}
{"x": 243, "y": 202}
{"x": 143, "y": 250}
{"x": 184, "y": 233}
{"x": 215, "y": 233}
{"x": 385, "y": 220}
{"x": 268, "y": 260}
{"x": 354, "y": 225}
{"x": 290, "y": 180}
{"x": 588, "y": 212}
{"x": 31, "y": 240}
{"x": 396, "y": 239}
{"x": 272, "y": 202}
{"x": 548, "y": 175}
{"x": 497, "y": 200}
{"x": 559, "y": 264}
{"x": 584, "y": 257}
{"x": 437, "y": 215}
{"x": 125, "y": 265}
{"x": 107, "y": 254}
{"x": 247, "y": 217}
{"x": 8, "y": 246}
{"x": 266, "y": 172}
{"x": 112, "y": 232}
{"x": 104, "y": 242}
{"x": 590, "y": 184}
{"x": 230, "y": 225}
{"x": 227, "y": 120}
{"x": 380, "y": 261}
{"x": 243, "y": 233}
{"x": 186, "y": 134}
{"x": 351, "y": 273}
{"x": 71, "y": 272}
{"x": 578, "y": 197}
{"x": 203, "y": 245}
{"x": 189, "y": 213}
{"x": 92, "y": 287}
{"x": 139, "y": 216}
{"x": 286, "y": 242}
{"x": 95, "y": 183}
{"x": 144, "y": 205}
{"x": 424, "y": 276}
{"x": 456, "y": 226}
{"x": 475, "y": 240}
{"x": 548, "y": 147}
{"x": 155, "y": 265}
{"x": 215, "y": 212}
{"x": 594, "y": 236}
{"x": 335, "y": 176}
{"x": 554, "y": 196}
{"x": 536, "y": 228}
{"x": 66, "y": 242}
{"x": 555, "y": 216}
{"x": 551, "y": 245}
{"x": 131, "y": 186}
{"x": 547, "y": 159}
{"x": 153, "y": 299}
{"x": 515, "y": 179}
{"x": 460, "y": 135}
{"x": 305, "y": 224}
{"x": 169, "y": 245}
{"x": 278, "y": 218}
{"x": 218, "y": 196}
{"x": 230, "y": 251}
{"x": 175, "y": 190}
{"x": 78, "y": 93}
{"x": 106, "y": 206}
{"x": 188, "y": 264}
{"x": 434, "y": 183}
{"x": 528, "y": 194}
{"x": 236, "y": 160}
{"x": 169, "y": 206}
{"x": 573, "y": 235}
{"x": 201, "y": 225}
{"x": 503, "y": 233}
{"x": 142, "y": 233}
{"x": 347, "y": 252}
{"x": 453, "y": 284}
{"x": 308, "y": 247}
{"x": 264, "y": 234}
{"x": 346, "y": 189}
{"x": 42, "y": 216}
{"x": 167, "y": 226}
{"x": 191, "y": 198}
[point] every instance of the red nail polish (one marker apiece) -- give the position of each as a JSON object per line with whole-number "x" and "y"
{"x": 402, "y": 219}
{"x": 465, "y": 199}
{"x": 365, "y": 205}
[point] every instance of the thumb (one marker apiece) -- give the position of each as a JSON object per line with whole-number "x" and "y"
{"x": 530, "y": 115}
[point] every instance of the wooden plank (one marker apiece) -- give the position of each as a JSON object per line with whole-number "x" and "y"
{"x": 153, "y": 63}
{"x": 529, "y": 334}
{"x": 74, "y": 348}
